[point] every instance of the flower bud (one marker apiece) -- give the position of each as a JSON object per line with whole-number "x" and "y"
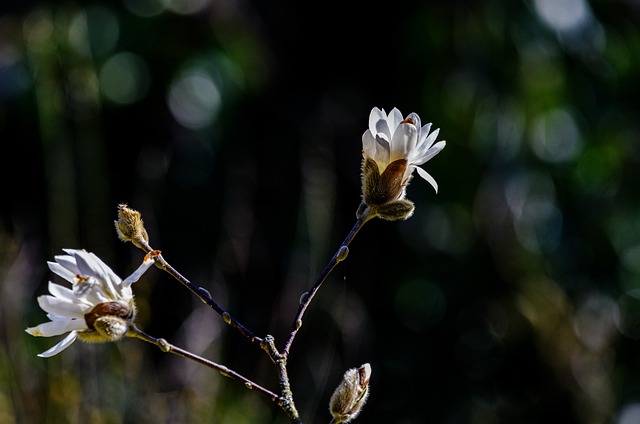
{"x": 400, "y": 209}
{"x": 108, "y": 322}
{"x": 130, "y": 226}
{"x": 351, "y": 395}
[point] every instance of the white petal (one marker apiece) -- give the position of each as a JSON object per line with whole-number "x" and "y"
{"x": 432, "y": 138}
{"x": 112, "y": 277}
{"x": 369, "y": 144}
{"x": 62, "y": 307}
{"x": 424, "y": 174}
{"x": 61, "y": 292}
{"x": 424, "y": 133}
{"x": 424, "y": 147}
{"x": 55, "y": 328}
{"x": 375, "y": 116}
{"x": 138, "y": 272}
{"x": 383, "y": 152}
{"x": 65, "y": 343}
{"x": 62, "y": 270}
{"x": 434, "y": 150}
{"x": 416, "y": 119}
{"x": 394, "y": 119}
{"x": 90, "y": 265}
{"x": 93, "y": 294}
{"x": 382, "y": 129}
{"x": 404, "y": 139}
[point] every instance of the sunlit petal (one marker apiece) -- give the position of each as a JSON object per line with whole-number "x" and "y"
{"x": 57, "y": 327}
{"x": 65, "y": 343}
{"x": 424, "y": 174}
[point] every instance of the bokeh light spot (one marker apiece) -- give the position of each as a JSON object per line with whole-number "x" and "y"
{"x": 194, "y": 99}
{"x": 562, "y": 15}
{"x": 629, "y": 414}
{"x": 94, "y": 31}
{"x": 595, "y": 321}
{"x": 629, "y": 305}
{"x": 555, "y": 137}
{"x": 537, "y": 219}
{"x": 124, "y": 78}
{"x": 186, "y": 7}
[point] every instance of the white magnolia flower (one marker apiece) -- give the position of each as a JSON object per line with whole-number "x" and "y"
{"x": 392, "y": 137}
{"x": 99, "y": 306}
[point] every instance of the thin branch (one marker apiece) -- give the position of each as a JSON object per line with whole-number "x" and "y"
{"x": 226, "y": 372}
{"x": 202, "y": 293}
{"x": 341, "y": 254}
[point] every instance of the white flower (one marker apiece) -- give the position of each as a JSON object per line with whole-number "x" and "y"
{"x": 98, "y": 307}
{"x": 392, "y": 137}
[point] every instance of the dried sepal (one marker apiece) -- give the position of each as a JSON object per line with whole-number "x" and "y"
{"x": 381, "y": 188}
{"x": 350, "y": 395}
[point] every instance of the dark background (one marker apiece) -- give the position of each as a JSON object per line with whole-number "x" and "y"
{"x": 234, "y": 127}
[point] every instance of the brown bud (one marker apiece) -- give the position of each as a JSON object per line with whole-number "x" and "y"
{"x": 351, "y": 395}
{"x": 380, "y": 188}
{"x": 130, "y": 227}
{"x": 107, "y": 322}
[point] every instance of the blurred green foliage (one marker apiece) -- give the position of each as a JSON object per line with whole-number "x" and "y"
{"x": 513, "y": 295}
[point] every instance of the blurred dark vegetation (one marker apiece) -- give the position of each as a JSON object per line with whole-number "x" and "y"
{"x": 511, "y": 296}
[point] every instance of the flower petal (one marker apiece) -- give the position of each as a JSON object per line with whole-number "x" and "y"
{"x": 382, "y": 129}
{"x": 61, "y": 292}
{"x": 424, "y": 174}
{"x": 424, "y": 133}
{"x": 394, "y": 119}
{"x": 375, "y": 116}
{"x": 57, "y": 327}
{"x": 369, "y": 144}
{"x": 434, "y": 150}
{"x": 383, "y": 152}
{"x": 61, "y": 267}
{"x": 65, "y": 343}
{"x": 62, "y": 307}
{"x": 416, "y": 119}
{"x": 135, "y": 276}
{"x": 404, "y": 139}
{"x": 90, "y": 265}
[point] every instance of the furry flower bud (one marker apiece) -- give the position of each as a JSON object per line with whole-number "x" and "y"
{"x": 351, "y": 395}
{"x": 130, "y": 227}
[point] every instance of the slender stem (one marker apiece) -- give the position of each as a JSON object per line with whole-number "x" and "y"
{"x": 203, "y": 294}
{"x": 226, "y": 372}
{"x": 280, "y": 361}
{"x": 365, "y": 215}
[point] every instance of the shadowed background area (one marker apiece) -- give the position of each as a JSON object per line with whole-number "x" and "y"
{"x": 234, "y": 127}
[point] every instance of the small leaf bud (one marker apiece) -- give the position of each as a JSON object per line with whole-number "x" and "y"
{"x": 342, "y": 253}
